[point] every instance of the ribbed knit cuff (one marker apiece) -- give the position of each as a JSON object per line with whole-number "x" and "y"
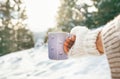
{"x": 85, "y": 42}
{"x": 77, "y": 49}
{"x": 90, "y": 42}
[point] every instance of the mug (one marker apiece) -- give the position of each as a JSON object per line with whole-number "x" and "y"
{"x": 55, "y": 45}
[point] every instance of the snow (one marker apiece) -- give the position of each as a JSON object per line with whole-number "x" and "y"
{"x": 35, "y": 64}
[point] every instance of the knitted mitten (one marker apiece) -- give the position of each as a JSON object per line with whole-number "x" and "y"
{"x": 111, "y": 44}
{"x": 85, "y": 42}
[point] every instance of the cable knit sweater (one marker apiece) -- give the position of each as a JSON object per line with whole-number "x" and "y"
{"x": 111, "y": 43}
{"x": 86, "y": 44}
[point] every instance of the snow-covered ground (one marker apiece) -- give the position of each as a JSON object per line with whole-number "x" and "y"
{"x": 35, "y": 64}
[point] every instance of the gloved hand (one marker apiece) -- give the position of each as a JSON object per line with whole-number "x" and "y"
{"x": 82, "y": 42}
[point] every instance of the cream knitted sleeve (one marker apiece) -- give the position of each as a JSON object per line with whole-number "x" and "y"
{"x": 111, "y": 44}
{"x": 85, "y": 42}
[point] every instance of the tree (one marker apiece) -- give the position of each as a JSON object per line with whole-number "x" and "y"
{"x": 106, "y": 10}
{"x": 66, "y": 18}
{"x": 14, "y": 34}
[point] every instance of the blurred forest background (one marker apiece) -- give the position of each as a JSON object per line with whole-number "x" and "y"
{"x": 95, "y": 14}
{"x": 14, "y": 34}
{"x": 89, "y": 13}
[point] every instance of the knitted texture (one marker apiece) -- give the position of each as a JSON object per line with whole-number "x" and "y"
{"x": 111, "y": 44}
{"x": 90, "y": 42}
{"x": 77, "y": 49}
{"x": 85, "y": 42}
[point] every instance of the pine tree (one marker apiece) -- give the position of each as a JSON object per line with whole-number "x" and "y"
{"x": 66, "y": 18}
{"x": 106, "y": 11}
{"x": 14, "y": 34}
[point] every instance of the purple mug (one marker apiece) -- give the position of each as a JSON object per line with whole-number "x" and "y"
{"x": 55, "y": 45}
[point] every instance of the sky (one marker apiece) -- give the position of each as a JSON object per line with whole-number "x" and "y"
{"x": 41, "y": 14}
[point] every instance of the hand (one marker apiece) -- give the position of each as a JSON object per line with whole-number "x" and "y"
{"x": 69, "y": 43}
{"x": 99, "y": 44}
